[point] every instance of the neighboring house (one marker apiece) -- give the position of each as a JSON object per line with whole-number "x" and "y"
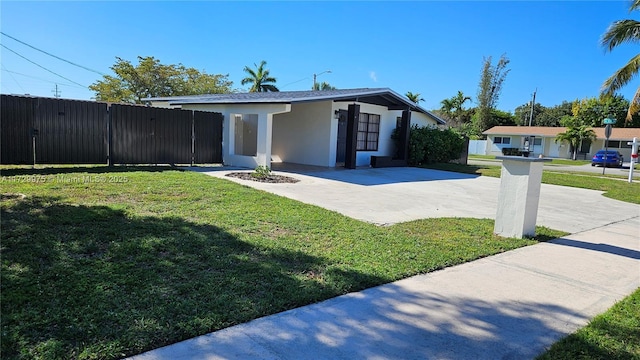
{"x": 542, "y": 140}
{"x": 309, "y": 127}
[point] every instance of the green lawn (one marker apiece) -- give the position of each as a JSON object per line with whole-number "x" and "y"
{"x": 611, "y": 336}
{"x": 554, "y": 161}
{"x": 102, "y": 263}
{"x": 614, "y": 186}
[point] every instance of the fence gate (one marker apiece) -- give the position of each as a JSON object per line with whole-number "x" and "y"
{"x": 207, "y": 137}
{"x": 147, "y": 135}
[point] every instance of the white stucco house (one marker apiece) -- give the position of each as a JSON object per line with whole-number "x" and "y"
{"x": 323, "y": 128}
{"x": 541, "y": 140}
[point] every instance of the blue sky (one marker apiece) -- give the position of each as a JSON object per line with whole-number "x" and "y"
{"x": 432, "y": 48}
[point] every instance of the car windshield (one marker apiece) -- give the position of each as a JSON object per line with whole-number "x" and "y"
{"x": 601, "y": 152}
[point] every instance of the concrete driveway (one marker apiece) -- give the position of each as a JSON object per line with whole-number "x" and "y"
{"x": 391, "y": 195}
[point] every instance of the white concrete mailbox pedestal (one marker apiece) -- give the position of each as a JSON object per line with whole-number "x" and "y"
{"x": 519, "y": 196}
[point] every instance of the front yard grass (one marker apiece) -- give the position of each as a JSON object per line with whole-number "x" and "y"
{"x": 614, "y": 187}
{"x": 609, "y": 336}
{"x": 106, "y": 263}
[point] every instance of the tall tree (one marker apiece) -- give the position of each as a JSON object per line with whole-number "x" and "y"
{"x": 150, "y": 78}
{"x": 323, "y": 86}
{"x": 620, "y": 32}
{"x": 259, "y": 79}
{"x": 416, "y": 98}
{"x": 491, "y": 79}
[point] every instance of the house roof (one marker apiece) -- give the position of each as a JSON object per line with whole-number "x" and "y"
{"x": 545, "y": 131}
{"x": 377, "y": 96}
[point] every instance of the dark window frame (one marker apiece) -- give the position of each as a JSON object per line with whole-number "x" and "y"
{"x": 614, "y": 144}
{"x": 502, "y": 140}
{"x": 368, "y": 137}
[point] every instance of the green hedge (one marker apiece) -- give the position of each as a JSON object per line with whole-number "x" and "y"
{"x": 432, "y": 145}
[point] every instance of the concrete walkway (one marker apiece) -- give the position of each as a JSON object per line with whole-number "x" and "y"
{"x": 508, "y": 306}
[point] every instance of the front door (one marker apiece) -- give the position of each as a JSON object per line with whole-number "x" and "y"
{"x": 341, "y": 149}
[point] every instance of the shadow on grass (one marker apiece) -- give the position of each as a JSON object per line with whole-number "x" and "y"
{"x": 81, "y": 280}
{"x": 98, "y": 169}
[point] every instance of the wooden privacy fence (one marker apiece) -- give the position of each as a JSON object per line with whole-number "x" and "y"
{"x": 62, "y": 131}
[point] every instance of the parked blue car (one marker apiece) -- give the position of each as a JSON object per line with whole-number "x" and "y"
{"x": 613, "y": 158}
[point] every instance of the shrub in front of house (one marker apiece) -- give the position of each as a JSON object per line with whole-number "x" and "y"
{"x": 432, "y": 145}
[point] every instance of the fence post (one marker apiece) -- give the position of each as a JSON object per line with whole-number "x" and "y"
{"x": 109, "y": 135}
{"x": 193, "y": 137}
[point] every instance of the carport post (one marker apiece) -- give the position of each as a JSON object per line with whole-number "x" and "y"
{"x": 519, "y": 196}
{"x": 405, "y": 129}
{"x": 353, "y": 115}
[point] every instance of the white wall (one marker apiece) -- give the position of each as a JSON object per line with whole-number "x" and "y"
{"x": 496, "y": 149}
{"x": 265, "y": 114}
{"x": 303, "y": 136}
{"x": 420, "y": 119}
{"x": 303, "y": 133}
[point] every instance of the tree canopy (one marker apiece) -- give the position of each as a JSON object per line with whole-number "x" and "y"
{"x": 542, "y": 115}
{"x": 323, "y": 86}
{"x": 150, "y": 78}
{"x": 592, "y": 111}
{"x": 260, "y": 79}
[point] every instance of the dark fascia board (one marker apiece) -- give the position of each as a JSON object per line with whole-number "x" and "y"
{"x": 394, "y": 101}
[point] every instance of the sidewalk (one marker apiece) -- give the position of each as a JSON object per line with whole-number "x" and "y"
{"x": 508, "y": 306}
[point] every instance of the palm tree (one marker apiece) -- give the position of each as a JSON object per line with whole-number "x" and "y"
{"x": 259, "y": 79}
{"x": 414, "y": 97}
{"x": 623, "y": 31}
{"x": 575, "y": 135}
{"x": 323, "y": 86}
{"x": 453, "y": 107}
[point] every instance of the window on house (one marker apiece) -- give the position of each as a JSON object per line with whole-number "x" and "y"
{"x": 368, "y": 132}
{"x": 502, "y": 140}
{"x": 625, "y": 145}
{"x": 614, "y": 144}
{"x": 246, "y": 134}
{"x": 537, "y": 141}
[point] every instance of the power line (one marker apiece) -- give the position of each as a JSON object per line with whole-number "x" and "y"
{"x": 291, "y": 83}
{"x": 42, "y": 67}
{"x": 57, "y": 57}
{"x": 41, "y": 79}
{"x": 14, "y": 79}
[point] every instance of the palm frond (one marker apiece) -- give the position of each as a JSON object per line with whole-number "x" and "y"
{"x": 635, "y": 4}
{"x": 621, "y": 77}
{"x": 634, "y": 106}
{"x": 269, "y": 87}
{"x": 619, "y": 32}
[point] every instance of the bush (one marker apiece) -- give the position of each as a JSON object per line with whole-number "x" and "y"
{"x": 432, "y": 145}
{"x": 261, "y": 172}
{"x": 512, "y": 152}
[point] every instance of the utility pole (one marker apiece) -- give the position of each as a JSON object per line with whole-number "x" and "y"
{"x": 533, "y": 103}
{"x": 56, "y": 92}
{"x": 315, "y": 76}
